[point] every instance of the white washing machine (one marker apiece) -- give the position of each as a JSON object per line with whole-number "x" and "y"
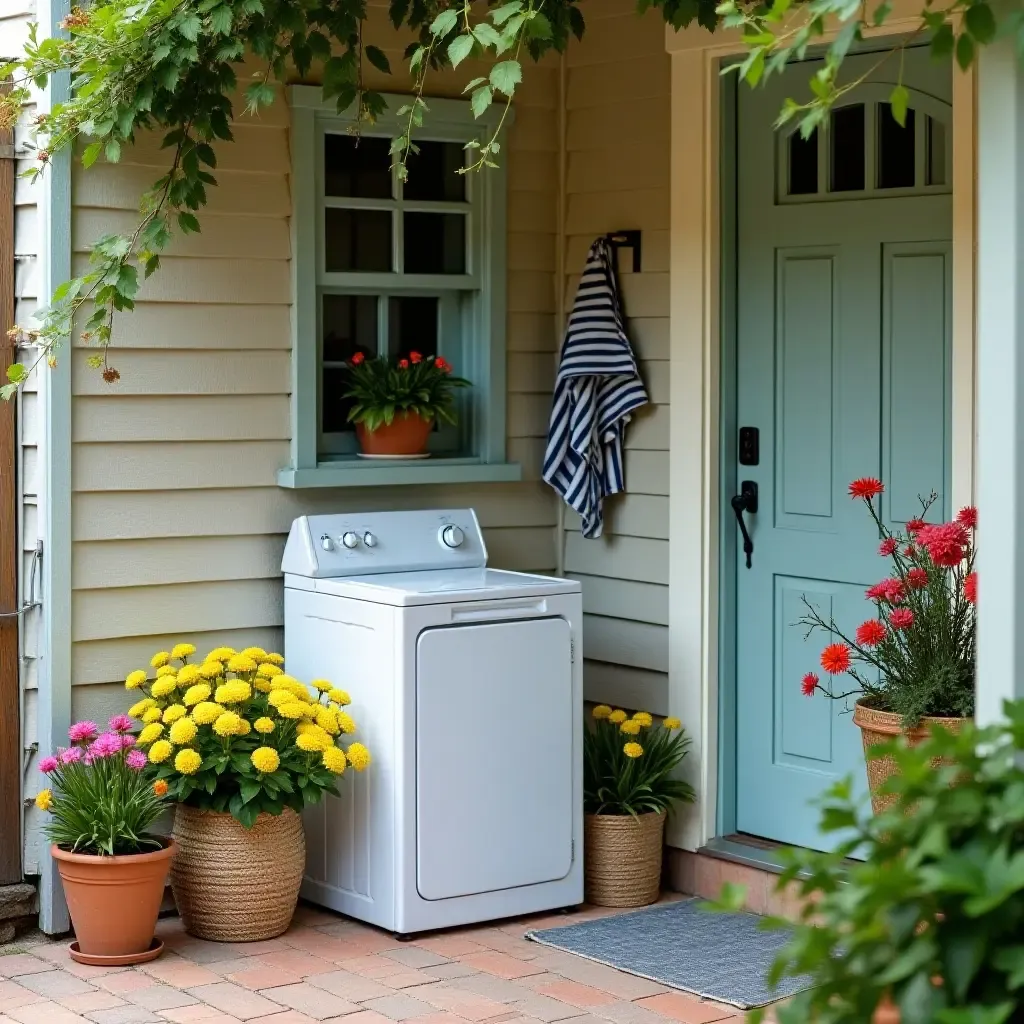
{"x": 467, "y": 687}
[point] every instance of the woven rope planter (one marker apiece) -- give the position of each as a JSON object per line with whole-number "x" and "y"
{"x": 881, "y": 727}
{"x": 233, "y": 884}
{"x": 622, "y": 859}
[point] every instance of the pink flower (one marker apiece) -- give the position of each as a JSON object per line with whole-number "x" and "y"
{"x": 106, "y": 745}
{"x": 136, "y": 760}
{"x": 70, "y": 755}
{"x": 945, "y": 543}
{"x": 968, "y": 517}
{"x": 82, "y": 732}
{"x": 917, "y": 577}
{"x": 913, "y": 525}
{"x": 901, "y": 618}
{"x": 909, "y": 551}
{"x": 888, "y": 547}
{"x": 121, "y": 723}
{"x": 890, "y": 590}
{"x": 809, "y": 684}
{"x": 127, "y": 741}
{"x": 48, "y": 764}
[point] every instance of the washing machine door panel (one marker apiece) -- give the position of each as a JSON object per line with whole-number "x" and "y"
{"x": 494, "y": 757}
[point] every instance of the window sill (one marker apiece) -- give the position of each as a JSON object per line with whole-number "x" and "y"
{"x": 369, "y": 473}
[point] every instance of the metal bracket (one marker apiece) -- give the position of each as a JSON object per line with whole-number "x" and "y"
{"x": 627, "y": 240}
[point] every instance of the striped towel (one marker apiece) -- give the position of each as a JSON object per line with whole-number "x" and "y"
{"x": 597, "y": 388}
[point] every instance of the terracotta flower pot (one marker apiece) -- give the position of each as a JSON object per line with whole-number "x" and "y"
{"x": 237, "y": 884}
{"x": 114, "y": 901}
{"x": 882, "y": 727}
{"x": 406, "y": 434}
{"x": 622, "y": 859}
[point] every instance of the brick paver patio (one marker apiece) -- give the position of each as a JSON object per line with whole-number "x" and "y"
{"x": 329, "y": 968}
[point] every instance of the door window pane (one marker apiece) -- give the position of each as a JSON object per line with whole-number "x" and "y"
{"x": 803, "y": 164}
{"x": 895, "y": 149}
{"x": 435, "y": 243}
{"x": 357, "y": 166}
{"x": 846, "y": 137}
{"x": 434, "y": 172}
{"x": 935, "y": 163}
{"x": 357, "y": 240}
{"x": 412, "y": 325}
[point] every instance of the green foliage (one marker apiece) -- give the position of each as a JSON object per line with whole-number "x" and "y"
{"x": 932, "y": 916}
{"x": 383, "y": 386}
{"x": 629, "y": 764}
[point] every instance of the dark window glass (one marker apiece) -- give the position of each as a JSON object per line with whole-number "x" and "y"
{"x": 935, "y": 164}
{"x": 357, "y": 240}
{"x": 846, "y": 136}
{"x": 357, "y": 166}
{"x": 334, "y": 406}
{"x": 349, "y": 325}
{"x": 434, "y": 172}
{"x": 435, "y": 243}
{"x": 895, "y": 149}
{"x": 412, "y": 325}
{"x": 803, "y": 164}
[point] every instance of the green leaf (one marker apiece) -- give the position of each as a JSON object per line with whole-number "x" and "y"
{"x": 221, "y": 20}
{"x": 899, "y": 100}
{"x": 459, "y": 49}
{"x": 505, "y": 76}
{"x": 501, "y": 14}
{"x": 980, "y": 22}
{"x": 190, "y": 27}
{"x": 378, "y": 58}
{"x": 16, "y": 373}
{"x": 486, "y": 36}
{"x": 964, "y": 51}
{"x": 91, "y": 153}
{"x": 481, "y": 100}
{"x": 188, "y": 223}
{"x": 444, "y": 23}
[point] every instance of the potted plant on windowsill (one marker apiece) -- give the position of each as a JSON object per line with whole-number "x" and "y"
{"x": 398, "y": 400}
{"x": 101, "y": 807}
{"x": 628, "y": 786}
{"x": 913, "y": 664}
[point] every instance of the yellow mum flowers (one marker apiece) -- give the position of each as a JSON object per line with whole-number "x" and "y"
{"x": 137, "y": 710}
{"x": 633, "y": 750}
{"x": 671, "y": 723}
{"x": 44, "y": 799}
{"x": 644, "y": 718}
{"x": 162, "y": 687}
{"x": 602, "y": 711}
{"x": 160, "y": 751}
{"x": 618, "y": 717}
{"x": 166, "y": 670}
{"x": 183, "y": 731}
{"x": 334, "y": 759}
{"x": 293, "y": 709}
{"x": 264, "y": 725}
{"x": 152, "y": 715}
{"x": 233, "y": 693}
{"x": 339, "y": 696}
{"x": 195, "y": 694}
{"x": 188, "y": 675}
{"x": 358, "y": 757}
{"x": 268, "y": 671}
{"x": 631, "y": 727}
{"x": 313, "y": 741}
{"x": 346, "y": 723}
{"x": 211, "y": 670}
{"x": 220, "y": 654}
{"x": 134, "y": 679}
{"x": 150, "y": 733}
{"x": 321, "y": 685}
{"x": 206, "y": 712}
{"x": 265, "y": 760}
{"x": 327, "y": 719}
{"x": 256, "y": 653}
{"x": 182, "y": 651}
{"x": 187, "y": 761}
{"x": 241, "y": 663}
{"x": 274, "y": 659}
{"x": 279, "y": 697}
{"x": 228, "y": 724}
{"x": 159, "y": 659}
{"x": 173, "y": 712}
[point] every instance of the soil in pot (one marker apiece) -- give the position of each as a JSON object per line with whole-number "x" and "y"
{"x": 622, "y": 859}
{"x": 114, "y": 901}
{"x": 406, "y": 434}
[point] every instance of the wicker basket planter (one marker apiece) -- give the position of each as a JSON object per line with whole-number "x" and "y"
{"x": 622, "y": 859}
{"x": 234, "y": 884}
{"x": 880, "y": 727}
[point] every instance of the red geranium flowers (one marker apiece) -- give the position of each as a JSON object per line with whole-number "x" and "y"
{"x": 870, "y": 633}
{"x": 867, "y": 487}
{"x": 835, "y": 659}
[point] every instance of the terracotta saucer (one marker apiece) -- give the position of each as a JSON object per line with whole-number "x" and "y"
{"x": 155, "y": 949}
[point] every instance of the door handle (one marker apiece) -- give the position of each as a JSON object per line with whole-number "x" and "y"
{"x": 745, "y": 501}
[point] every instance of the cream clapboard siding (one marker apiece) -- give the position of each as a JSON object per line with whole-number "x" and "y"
{"x": 617, "y": 147}
{"x": 178, "y": 524}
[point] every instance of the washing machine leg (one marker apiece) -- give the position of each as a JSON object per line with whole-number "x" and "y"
{"x": 402, "y": 936}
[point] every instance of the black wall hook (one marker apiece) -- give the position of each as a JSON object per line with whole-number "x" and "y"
{"x": 627, "y": 240}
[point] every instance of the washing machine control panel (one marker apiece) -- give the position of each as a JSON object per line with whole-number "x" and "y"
{"x": 355, "y": 544}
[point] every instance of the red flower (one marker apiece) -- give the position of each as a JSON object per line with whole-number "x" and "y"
{"x": 357, "y": 359}
{"x": 866, "y": 487}
{"x": 415, "y": 357}
{"x": 915, "y": 524}
{"x": 870, "y": 633}
{"x": 968, "y": 517}
{"x": 443, "y": 365}
{"x": 888, "y": 547}
{"x": 945, "y": 543}
{"x": 403, "y": 364}
{"x": 971, "y": 587}
{"x": 909, "y": 551}
{"x": 901, "y": 618}
{"x": 809, "y": 684}
{"x": 917, "y": 577}
{"x": 890, "y": 590}
{"x": 835, "y": 659}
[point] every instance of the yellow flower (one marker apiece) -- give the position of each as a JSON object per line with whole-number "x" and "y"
{"x": 263, "y": 725}
{"x": 188, "y": 674}
{"x": 241, "y": 663}
{"x": 263, "y": 685}
{"x": 183, "y": 732}
{"x": 265, "y": 760}
{"x": 292, "y": 685}
{"x": 644, "y": 718}
{"x": 151, "y": 732}
{"x": 206, "y": 712}
{"x": 313, "y": 740}
{"x": 195, "y": 694}
{"x": 256, "y": 653}
{"x": 160, "y": 751}
{"x": 346, "y": 723}
{"x": 293, "y": 709}
{"x": 633, "y": 750}
{"x": 233, "y": 692}
{"x": 160, "y": 659}
{"x": 227, "y": 724}
{"x": 135, "y": 679}
{"x": 166, "y": 670}
{"x": 359, "y": 757}
{"x": 327, "y": 719}
{"x": 162, "y": 687}
{"x": 618, "y": 717}
{"x": 334, "y": 760}
{"x": 173, "y": 713}
{"x": 274, "y": 659}
{"x": 630, "y": 728}
{"x": 188, "y": 761}
{"x": 137, "y": 710}
{"x": 44, "y": 799}
{"x": 182, "y": 651}
{"x": 339, "y": 696}
{"x": 306, "y": 727}
{"x": 268, "y": 671}
{"x": 244, "y": 728}
{"x": 671, "y": 723}
{"x": 322, "y": 685}
{"x": 220, "y": 654}
{"x": 279, "y": 697}
{"x": 601, "y": 711}
{"x": 152, "y": 715}
{"x": 211, "y": 669}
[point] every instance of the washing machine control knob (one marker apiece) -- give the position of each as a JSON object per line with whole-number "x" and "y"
{"x": 326, "y": 543}
{"x": 350, "y": 539}
{"x": 452, "y": 536}
{"x": 370, "y": 539}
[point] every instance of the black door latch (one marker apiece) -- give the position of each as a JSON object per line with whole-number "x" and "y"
{"x": 746, "y": 501}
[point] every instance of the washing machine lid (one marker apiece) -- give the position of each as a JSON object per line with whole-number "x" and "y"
{"x": 438, "y": 586}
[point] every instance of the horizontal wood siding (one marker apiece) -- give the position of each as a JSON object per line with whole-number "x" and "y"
{"x": 617, "y": 148}
{"x": 178, "y": 524}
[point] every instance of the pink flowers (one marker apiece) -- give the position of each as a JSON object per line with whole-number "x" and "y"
{"x": 917, "y": 577}
{"x": 70, "y": 755}
{"x": 889, "y": 590}
{"x": 136, "y": 760}
{"x": 83, "y": 732}
{"x": 888, "y": 547}
{"x": 968, "y": 517}
{"x": 48, "y": 764}
{"x": 121, "y": 723}
{"x": 945, "y": 543}
{"x": 913, "y": 525}
{"x": 901, "y": 618}
{"x": 106, "y": 745}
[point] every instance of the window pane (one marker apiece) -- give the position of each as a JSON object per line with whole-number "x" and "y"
{"x": 435, "y": 243}
{"x": 357, "y": 240}
{"x": 357, "y": 166}
{"x": 434, "y": 172}
{"x": 846, "y": 133}
{"x": 803, "y": 164}
{"x": 412, "y": 325}
{"x": 349, "y": 326}
{"x": 895, "y": 149}
{"x": 935, "y": 164}
{"x": 333, "y": 406}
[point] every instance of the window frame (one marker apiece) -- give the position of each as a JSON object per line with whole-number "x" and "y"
{"x": 481, "y": 350}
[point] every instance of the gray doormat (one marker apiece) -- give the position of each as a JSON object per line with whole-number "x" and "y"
{"x": 717, "y": 956}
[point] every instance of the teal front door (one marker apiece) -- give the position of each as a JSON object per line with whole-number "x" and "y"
{"x": 843, "y": 371}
